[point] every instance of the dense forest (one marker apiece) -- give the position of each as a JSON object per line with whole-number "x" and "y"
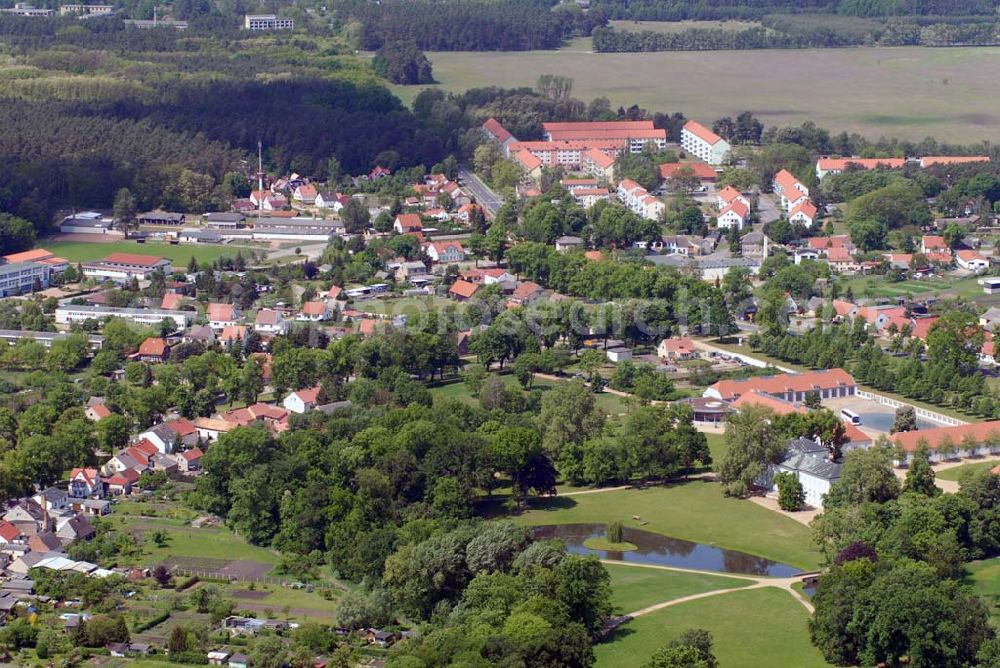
{"x": 481, "y": 25}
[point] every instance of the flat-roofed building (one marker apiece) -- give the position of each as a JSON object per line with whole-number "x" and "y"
{"x": 267, "y": 22}
{"x": 86, "y": 222}
{"x": 19, "y": 278}
{"x": 68, "y": 314}
{"x": 12, "y": 336}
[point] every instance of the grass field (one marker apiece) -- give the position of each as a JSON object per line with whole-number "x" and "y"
{"x": 186, "y": 542}
{"x": 408, "y": 306}
{"x": 635, "y": 588}
{"x": 868, "y": 286}
{"x": 906, "y": 92}
{"x": 762, "y": 627}
{"x": 695, "y": 511}
{"x": 179, "y": 255}
{"x": 957, "y": 472}
{"x": 984, "y": 576}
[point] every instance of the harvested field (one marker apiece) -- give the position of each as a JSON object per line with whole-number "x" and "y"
{"x": 907, "y": 92}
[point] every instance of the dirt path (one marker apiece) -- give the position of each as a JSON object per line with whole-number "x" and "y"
{"x": 758, "y": 583}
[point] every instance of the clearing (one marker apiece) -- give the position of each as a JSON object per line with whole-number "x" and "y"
{"x": 761, "y": 627}
{"x": 611, "y": 404}
{"x": 984, "y": 576}
{"x": 906, "y": 92}
{"x": 695, "y": 511}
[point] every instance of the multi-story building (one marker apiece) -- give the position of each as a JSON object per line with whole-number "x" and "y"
{"x": 24, "y": 9}
{"x": 633, "y": 135}
{"x": 267, "y": 22}
{"x": 122, "y": 267}
{"x": 86, "y": 10}
{"x": 69, "y": 314}
{"x": 18, "y": 278}
{"x": 703, "y": 144}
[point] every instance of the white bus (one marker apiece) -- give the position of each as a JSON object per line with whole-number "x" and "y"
{"x": 850, "y": 416}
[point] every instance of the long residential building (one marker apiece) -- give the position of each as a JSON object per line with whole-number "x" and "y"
{"x": 12, "y": 336}
{"x": 267, "y": 22}
{"x": 634, "y": 135}
{"x": 122, "y": 267}
{"x": 69, "y": 314}
{"x": 788, "y": 386}
{"x": 296, "y": 229}
{"x": 704, "y": 144}
{"x": 638, "y": 200}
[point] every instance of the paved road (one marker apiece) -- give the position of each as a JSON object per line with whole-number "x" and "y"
{"x": 484, "y": 196}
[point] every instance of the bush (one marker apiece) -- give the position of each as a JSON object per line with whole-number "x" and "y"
{"x": 190, "y": 582}
{"x": 791, "y": 496}
{"x": 150, "y": 623}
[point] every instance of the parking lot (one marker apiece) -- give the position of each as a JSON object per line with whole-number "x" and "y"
{"x": 875, "y": 418}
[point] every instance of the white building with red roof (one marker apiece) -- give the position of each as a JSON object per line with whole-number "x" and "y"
{"x": 930, "y": 243}
{"x": 305, "y": 194}
{"x": 220, "y": 316}
{"x": 803, "y": 214}
{"x": 825, "y": 166}
{"x": 971, "y": 260}
{"x": 789, "y": 189}
{"x": 498, "y": 133}
{"x": 734, "y": 215}
{"x": 704, "y": 173}
{"x": 702, "y": 143}
{"x": 407, "y": 223}
{"x": 445, "y": 251}
{"x": 633, "y": 135}
{"x": 301, "y": 401}
{"x": 788, "y": 386}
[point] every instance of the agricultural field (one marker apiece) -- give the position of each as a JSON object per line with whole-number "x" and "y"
{"x": 760, "y": 627}
{"x": 179, "y": 255}
{"x": 695, "y": 511}
{"x": 866, "y": 90}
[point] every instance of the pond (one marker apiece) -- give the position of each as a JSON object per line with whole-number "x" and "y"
{"x": 653, "y": 548}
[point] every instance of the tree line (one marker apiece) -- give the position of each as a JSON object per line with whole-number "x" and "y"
{"x": 676, "y": 10}
{"x": 483, "y": 25}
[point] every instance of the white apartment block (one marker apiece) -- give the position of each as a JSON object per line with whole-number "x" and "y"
{"x": 702, "y": 143}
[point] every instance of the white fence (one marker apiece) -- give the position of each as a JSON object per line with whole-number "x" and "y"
{"x": 921, "y": 412}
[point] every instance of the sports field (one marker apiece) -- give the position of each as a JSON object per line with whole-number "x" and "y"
{"x": 907, "y": 92}
{"x": 179, "y": 255}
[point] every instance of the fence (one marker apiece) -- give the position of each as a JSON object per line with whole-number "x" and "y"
{"x": 921, "y": 412}
{"x": 230, "y": 576}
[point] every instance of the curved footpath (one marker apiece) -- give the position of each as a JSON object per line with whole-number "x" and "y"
{"x": 758, "y": 583}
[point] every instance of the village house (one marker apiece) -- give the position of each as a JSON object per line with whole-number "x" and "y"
{"x": 754, "y": 244}
{"x": 803, "y": 214}
{"x": 728, "y": 195}
{"x": 677, "y": 350}
{"x": 733, "y": 216}
{"x": 234, "y": 335}
{"x": 445, "y": 252}
{"x": 153, "y": 350}
{"x": 933, "y": 244}
{"x": 304, "y": 194}
{"x": 525, "y": 293}
{"x": 314, "y": 311}
{"x": 302, "y": 401}
{"x": 567, "y": 243}
{"x": 462, "y": 290}
{"x": 971, "y": 260}
{"x": 96, "y": 409}
{"x": 704, "y": 173}
{"x": 270, "y": 322}
{"x": 407, "y": 223}
{"x": 220, "y": 316}
{"x": 85, "y": 483}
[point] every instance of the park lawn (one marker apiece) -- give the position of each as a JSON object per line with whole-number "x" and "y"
{"x": 186, "y": 542}
{"x": 718, "y": 447}
{"x": 179, "y": 255}
{"x": 636, "y": 587}
{"x": 761, "y": 627}
{"x": 984, "y": 577}
{"x": 955, "y": 473}
{"x": 866, "y": 90}
{"x": 695, "y": 510}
